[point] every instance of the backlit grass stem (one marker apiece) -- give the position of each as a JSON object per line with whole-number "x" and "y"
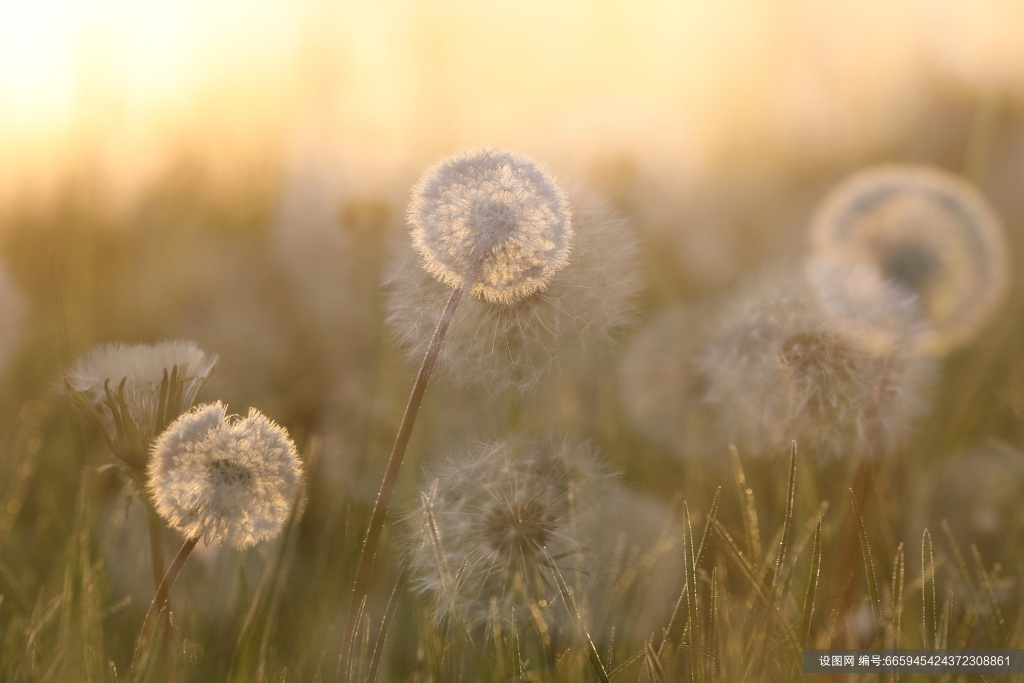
{"x": 387, "y": 486}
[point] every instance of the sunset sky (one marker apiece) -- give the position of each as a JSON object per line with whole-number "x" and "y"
{"x": 118, "y": 89}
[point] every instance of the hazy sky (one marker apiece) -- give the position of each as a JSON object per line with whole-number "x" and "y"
{"x": 119, "y": 88}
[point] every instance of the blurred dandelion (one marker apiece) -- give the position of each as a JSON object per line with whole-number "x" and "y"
{"x": 225, "y": 479}
{"x": 134, "y": 391}
{"x": 491, "y": 517}
{"x": 512, "y": 348}
{"x": 977, "y": 493}
{"x": 879, "y": 314}
{"x": 778, "y": 369}
{"x": 491, "y": 221}
{"x": 661, "y": 385}
{"x": 924, "y": 231}
{"x": 645, "y": 562}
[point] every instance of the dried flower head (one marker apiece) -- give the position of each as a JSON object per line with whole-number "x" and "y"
{"x": 926, "y": 232}
{"x": 225, "y": 479}
{"x": 778, "y": 369}
{"x": 134, "y": 391}
{"x": 492, "y": 520}
{"x": 492, "y": 221}
{"x": 512, "y": 348}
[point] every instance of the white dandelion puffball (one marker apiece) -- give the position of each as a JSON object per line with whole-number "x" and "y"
{"x": 778, "y": 369}
{"x": 492, "y": 221}
{"x": 511, "y": 349}
{"x": 143, "y": 368}
{"x": 925, "y": 231}
{"x": 224, "y": 478}
{"x": 492, "y": 516}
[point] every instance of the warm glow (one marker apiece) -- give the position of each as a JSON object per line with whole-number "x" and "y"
{"x": 125, "y": 85}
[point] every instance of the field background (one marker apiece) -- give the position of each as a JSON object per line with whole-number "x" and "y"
{"x": 233, "y": 173}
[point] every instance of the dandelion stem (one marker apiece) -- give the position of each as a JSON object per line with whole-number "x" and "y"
{"x": 156, "y": 547}
{"x": 156, "y": 553}
{"x": 387, "y": 486}
{"x": 160, "y": 599}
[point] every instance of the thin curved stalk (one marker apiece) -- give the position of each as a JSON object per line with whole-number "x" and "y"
{"x": 387, "y": 486}
{"x": 160, "y": 599}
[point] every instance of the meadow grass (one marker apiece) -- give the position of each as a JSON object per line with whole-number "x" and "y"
{"x": 747, "y": 558}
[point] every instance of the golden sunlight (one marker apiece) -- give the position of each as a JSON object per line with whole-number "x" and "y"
{"x": 122, "y": 87}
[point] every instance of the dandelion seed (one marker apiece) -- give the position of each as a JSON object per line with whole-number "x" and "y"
{"x": 134, "y": 391}
{"x": 924, "y": 231}
{"x": 513, "y": 348}
{"x": 225, "y": 479}
{"x": 491, "y": 221}
{"x": 778, "y": 369}
{"x": 491, "y": 517}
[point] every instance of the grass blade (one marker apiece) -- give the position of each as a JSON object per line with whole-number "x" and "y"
{"x": 751, "y": 529}
{"x": 812, "y": 585}
{"x": 677, "y": 610}
{"x": 689, "y": 559}
{"x": 570, "y": 604}
{"x": 787, "y": 526}
{"x": 896, "y": 614}
{"x": 929, "y": 625}
{"x": 869, "y": 567}
{"x": 996, "y": 619}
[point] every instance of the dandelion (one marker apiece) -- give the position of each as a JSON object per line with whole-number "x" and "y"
{"x": 976, "y": 492}
{"x": 492, "y": 517}
{"x": 511, "y": 349}
{"x": 494, "y": 223}
{"x": 224, "y": 479}
{"x": 134, "y": 391}
{"x": 661, "y": 385}
{"x": 926, "y": 232}
{"x": 877, "y": 313}
{"x": 777, "y": 369}
{"x": 491, "y": 221}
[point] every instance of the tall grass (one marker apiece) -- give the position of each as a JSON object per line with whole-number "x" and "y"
{"x": 744, "y": 558}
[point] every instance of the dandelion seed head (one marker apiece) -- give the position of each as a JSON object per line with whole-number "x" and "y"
{"x": 876, "y": 312}
{"x": 492, "y": 516}
{"x": 492, "y": 221}
{"x": 224, "y": 478}
{"x": 142, "y": 365}
{"x": 778, "y": 369}
{"x": 143, "y": 369}
{"x": 925, "y": 232}
{"x": 515, "y": 348}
